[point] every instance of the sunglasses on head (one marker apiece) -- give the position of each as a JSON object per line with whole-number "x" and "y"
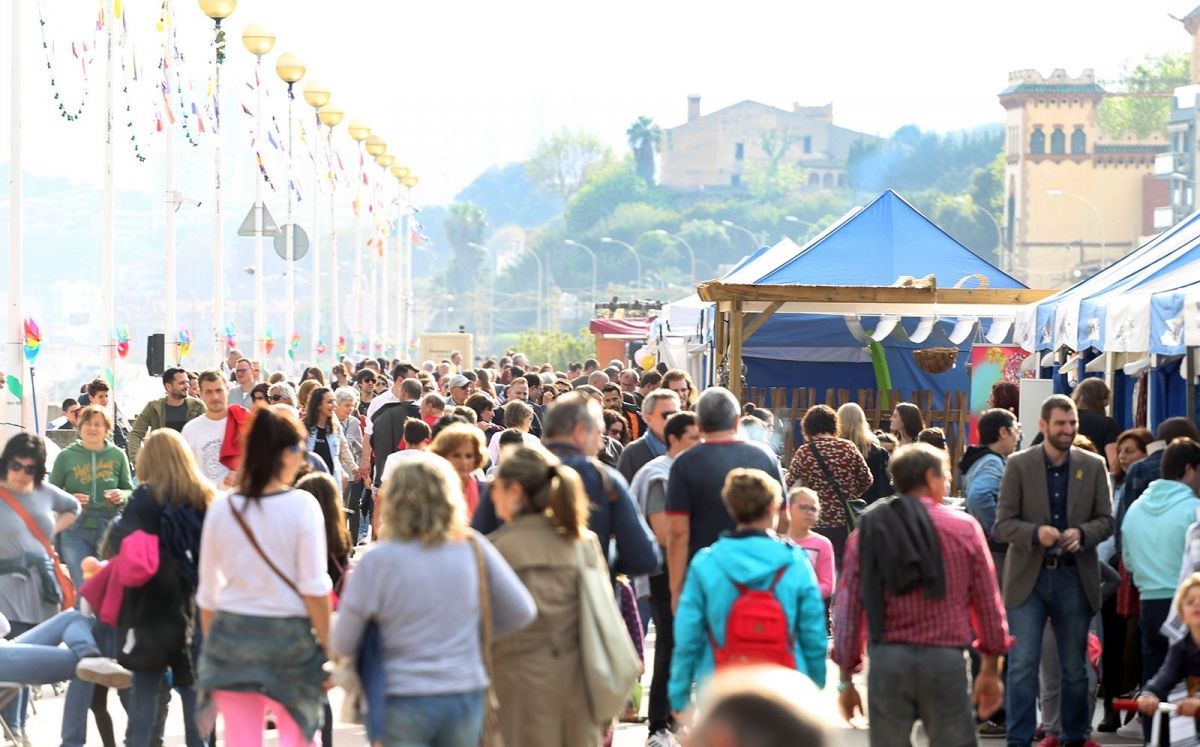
{"x": 29, "y": 469}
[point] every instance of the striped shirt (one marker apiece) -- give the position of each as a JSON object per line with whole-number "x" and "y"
{"x": 971, "y": 613}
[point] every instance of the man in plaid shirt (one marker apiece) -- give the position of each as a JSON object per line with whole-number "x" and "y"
{"x": 922, "y": 617}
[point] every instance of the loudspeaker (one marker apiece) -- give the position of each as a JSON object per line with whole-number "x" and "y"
{"x": 155, "y": 354}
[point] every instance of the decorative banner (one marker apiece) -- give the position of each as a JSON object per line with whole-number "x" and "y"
{"x": 33, "y": 340}
{"x": 341, "y": 345}
{"x": 320, "y": 346}
{"x": 123, "y": 341}
{"x": 230, "y": 337}
{"x": 185, "y": 342}
{"x": 269, "y": 340}
{"x": 991, "y": 364}
{"x": 294, "y": 346}
{"x": 14, "y": 386}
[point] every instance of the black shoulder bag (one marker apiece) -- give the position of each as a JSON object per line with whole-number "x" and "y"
{"x": 853, "y": 506}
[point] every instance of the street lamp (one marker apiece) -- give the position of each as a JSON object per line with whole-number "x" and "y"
{"x": 595, "y": 265}
{"x": 290, "y": 69}
{"x": 1099, "y": 219}
{"x": 331, "y": 117}
{"x": 677, "y": 237}
{"x": 217, "y": 10}
{"x": 753, "y": 236}
{"x": 408, "y": 181}
{"x": 376, "y": 148}
{"x": 636, "y": 259}
{"x": 383, "y": 272}
{"x": 359, "y": 132}
{"x": 316, "y": 95}
{"x": 258, "y": 41}
{"x": 964, "y": 200}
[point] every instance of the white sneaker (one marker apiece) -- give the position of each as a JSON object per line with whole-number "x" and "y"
{"x": 1132, "y": 730}
{"x": 661, "y": 738}
{"x": 103, "y": 671}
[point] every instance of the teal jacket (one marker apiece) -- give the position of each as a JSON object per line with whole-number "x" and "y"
{"x": 78, "y": 470}
{"x": 1153, "y": 536}
{"x": 750, "y": 558}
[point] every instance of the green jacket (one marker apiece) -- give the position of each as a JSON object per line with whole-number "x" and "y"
{"x": 79, "y": 470}
{"x": 154, "y": 415}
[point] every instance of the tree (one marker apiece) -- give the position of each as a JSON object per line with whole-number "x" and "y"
{"x": 465, "y": 224}
{"x": 644, "y": 137}
{"x": 561, "y": 161}
{"x": 559, "y": 349}
{"x": 607, "y": 187}
{"x": 1142, "y": 115}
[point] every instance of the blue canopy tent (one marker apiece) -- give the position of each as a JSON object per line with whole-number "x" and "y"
{"x": 851, "y": 343}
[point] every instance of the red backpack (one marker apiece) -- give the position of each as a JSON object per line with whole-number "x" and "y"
{"x": 756, "y": 631}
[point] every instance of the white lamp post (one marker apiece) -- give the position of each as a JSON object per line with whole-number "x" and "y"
{"x": 290, "y": 69}
{"x": 316, "y": 96}
{"x": 636, "y": 259}
{"x": 331, "y": 117}
{"x": 1099, "y": 220}
{"x": 258, "y": 41}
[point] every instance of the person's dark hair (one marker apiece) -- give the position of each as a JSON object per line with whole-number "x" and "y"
{"x": 169, "y": 375}
{"x": 1173, "y": 428}
{"x": 26, "y": 446}
{"x": 612, "y": 416}
{"x": 364, "y": 375}
{"x": 208, "y": 376}
{"x": 1140, "y": 436}
{"x": 1006, "y": 396}
{"x": 533, "y": 380}
{"x": 272, "y": 431}
{"x": 68, "y": 403}
{"x": 1091, "y": 394}
{"x": 410, "y": 389}
{"x": 95, "y": 386}
{"x": 315, "y": 373}
{"x": 1178, "y": 455}
{"x": 329, "y": 497}
{"x": 909, "y": 465}
{"x": 314, "y": 406}
{"x": 591, "y": 364}
{"x": 480, "y": 403}
{"x": 262, "y": 388}
{"x": 416, "y": 431}
{"x": 761, "y": 721}
{"x": 662, "y": 367}
{"x": 677, "y": 425}
{"x": 466, "y": 413}
{"x": 510, "y": 437}
{"x": 650, "y": 378}
{"x": 1056, "y": 402}
{"x": 933, "y": 436}
{"x": 885, "y": 438}
{"x": 611, "y": 387}
{"x": 446, "y": 421}
{"x": 820, "y": 419}
{"x": 990, "y": 423}
{"x": 910, "y": 419}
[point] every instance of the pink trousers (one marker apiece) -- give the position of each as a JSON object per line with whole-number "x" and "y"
{"x": 245, "y": 719}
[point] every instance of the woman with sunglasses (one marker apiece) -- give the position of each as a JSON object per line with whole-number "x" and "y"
{"x": 264, "y": 593}
{"x": 281, "y": 394}
{"x": 29, "y": 592}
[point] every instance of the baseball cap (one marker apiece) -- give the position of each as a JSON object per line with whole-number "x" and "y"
{"x": 548, "y": 379}
{"x": 458, "y": 380}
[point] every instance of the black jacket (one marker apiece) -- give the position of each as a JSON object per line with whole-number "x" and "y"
{"x": 387, "y": 430}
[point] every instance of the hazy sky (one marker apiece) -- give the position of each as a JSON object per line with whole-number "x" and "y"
{"x": 457, "y": 86}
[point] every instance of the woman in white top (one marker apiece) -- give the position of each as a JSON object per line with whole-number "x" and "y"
{"x": 517, "y": 416}
{"x": 264, "y": 593}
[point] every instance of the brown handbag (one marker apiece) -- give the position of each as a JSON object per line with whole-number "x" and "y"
{"x": 61, "y": 574}
{"x": 491, "y": 736}
{"x": 1128, "y": 599}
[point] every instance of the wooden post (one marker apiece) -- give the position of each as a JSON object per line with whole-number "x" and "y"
{"x": 735, "y": 350}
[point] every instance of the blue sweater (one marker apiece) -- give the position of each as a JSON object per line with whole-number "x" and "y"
{"x": 750, "y": 558}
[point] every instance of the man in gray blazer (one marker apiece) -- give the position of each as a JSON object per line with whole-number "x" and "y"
{"x": 1054, "y": 509}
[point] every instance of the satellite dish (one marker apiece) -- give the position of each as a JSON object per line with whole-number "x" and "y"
{"x": 299, "y": 241}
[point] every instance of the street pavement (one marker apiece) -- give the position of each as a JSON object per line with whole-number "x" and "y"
{"x": 44, "y": 724}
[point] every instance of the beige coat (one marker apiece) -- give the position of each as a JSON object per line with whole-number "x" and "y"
{"x": 539, "y": 670}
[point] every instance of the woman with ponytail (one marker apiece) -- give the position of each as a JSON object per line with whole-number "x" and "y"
{"x": 539, "y": 671}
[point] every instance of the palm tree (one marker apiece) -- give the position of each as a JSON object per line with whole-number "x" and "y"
{"x": 644, "y": 137}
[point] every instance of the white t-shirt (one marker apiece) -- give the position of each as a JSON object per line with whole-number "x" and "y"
{"x": 494, "y": 446}
{"x": 396, "y": 458}
{"x": 289, "y": 528}
{"x": 205, "y": 436}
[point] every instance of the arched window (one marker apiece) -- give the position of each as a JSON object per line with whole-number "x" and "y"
{"x": 827, "y": 180}
{"x": 1058, "y": 141}
{"x": 1037, "y": 141}
{"x": 814, "y": 179}
{"x": 1078, "y": 141}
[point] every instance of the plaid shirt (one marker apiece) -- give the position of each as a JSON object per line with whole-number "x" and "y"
{"x": 972, "y": 600}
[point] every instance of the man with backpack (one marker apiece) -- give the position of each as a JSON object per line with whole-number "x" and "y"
{"x": 908, "y": 569}
{"x": 750, "y": 598}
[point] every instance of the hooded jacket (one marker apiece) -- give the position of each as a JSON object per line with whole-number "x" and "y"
{"x": 1154, "y": 536}
{"x": 79, "y": 470}
{"x": 750, "y": 558}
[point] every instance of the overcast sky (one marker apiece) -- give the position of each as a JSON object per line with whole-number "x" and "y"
{"x": 457, "y": 86}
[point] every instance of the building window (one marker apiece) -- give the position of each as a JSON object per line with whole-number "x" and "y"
{"x": 1078, "y": 141}
{"x": 1037, "y": 141}
{"x": 814, "y": 180}
{"x": 1058, "y": 141}
{"x": 735, "y": 180}
{"x": 808, "y": 143}
{"x": 827, "y": 180}
{"x": 739, "y": 151}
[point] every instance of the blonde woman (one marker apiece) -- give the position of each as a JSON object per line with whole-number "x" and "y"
{"x": 539, "y": 671}
{"x": 429, "y": 615}
{"x": 170, "y": 502}
{"x": 852, "y": 426}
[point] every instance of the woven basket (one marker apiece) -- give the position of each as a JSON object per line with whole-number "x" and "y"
{"x": 936, "y": 360}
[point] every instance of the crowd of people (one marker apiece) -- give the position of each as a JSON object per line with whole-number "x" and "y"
{"x": 426, "y": 537}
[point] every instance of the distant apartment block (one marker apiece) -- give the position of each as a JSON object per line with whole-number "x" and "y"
{"x": 718, "y": 151}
